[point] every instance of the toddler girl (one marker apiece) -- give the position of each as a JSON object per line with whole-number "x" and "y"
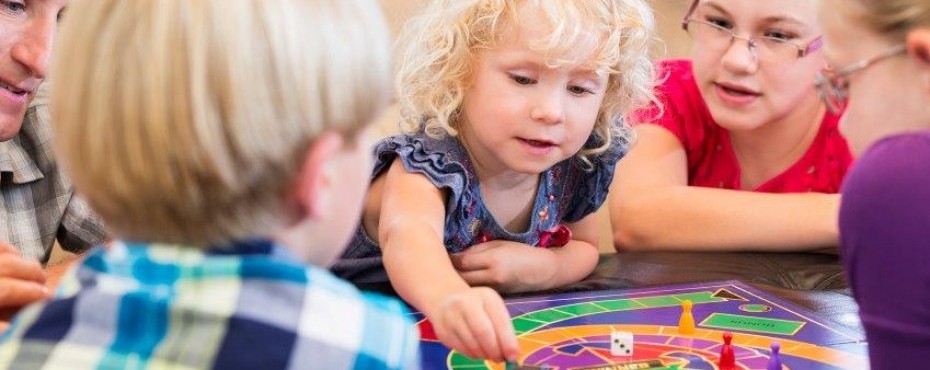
{"x": 515, "y": 111}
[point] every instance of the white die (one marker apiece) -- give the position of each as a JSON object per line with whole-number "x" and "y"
{"x": 621, "y": 343}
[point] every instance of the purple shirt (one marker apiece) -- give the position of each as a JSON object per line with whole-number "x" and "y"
{"x": 885, "y": 237}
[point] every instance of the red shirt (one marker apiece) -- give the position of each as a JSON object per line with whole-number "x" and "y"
{"x": 711, "y": 160}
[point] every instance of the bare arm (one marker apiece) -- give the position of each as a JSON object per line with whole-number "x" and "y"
{"x": 578, "y": 258}
{"x": 473, "y": 321}
{"x": 653, "y": 208}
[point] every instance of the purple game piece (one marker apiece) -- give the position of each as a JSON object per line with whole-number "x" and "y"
{"x": 775, "y": 358}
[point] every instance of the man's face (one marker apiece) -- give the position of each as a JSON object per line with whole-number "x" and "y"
{"x": 27, "y": 31}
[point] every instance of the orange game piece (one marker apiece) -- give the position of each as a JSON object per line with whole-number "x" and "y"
{"x": 686, "y": 322}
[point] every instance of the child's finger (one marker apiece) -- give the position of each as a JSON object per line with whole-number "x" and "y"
{"x": 456, "y": 260}
{"x": 6, "y": 248}
{"x": 17, "y": 293}
{"x": 467, "y": 261}
{"x": 453, "y": 341}
{"x": 12, "y": 266}
{"x": 447, "y": 333}
{"x": 482, "y": 330}
{"x": 503, "y": 327}
{"x": 477, "y": 277}
{"x": 467, "y": 339}
{"x": 478, "y": 248}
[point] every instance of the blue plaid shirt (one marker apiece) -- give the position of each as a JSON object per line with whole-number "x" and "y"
{"x": 245, "y": 306}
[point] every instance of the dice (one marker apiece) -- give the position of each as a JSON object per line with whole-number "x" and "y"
{"x": 621, "y": 343}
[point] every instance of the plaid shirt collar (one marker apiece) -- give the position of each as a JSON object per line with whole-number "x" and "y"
{"x": 254, "y": 247}
{"x": 16, "y": 160}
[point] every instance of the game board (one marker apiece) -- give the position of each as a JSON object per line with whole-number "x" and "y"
{"x": 572, "y": 331}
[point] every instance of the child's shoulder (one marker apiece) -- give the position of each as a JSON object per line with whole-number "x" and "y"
{"x": 420, "y": 143}
{"x": 443, "y": 160}
{"x": 374, "y": 326}
{"x": 328, "y": 289}
{"x": 892, "y": 167}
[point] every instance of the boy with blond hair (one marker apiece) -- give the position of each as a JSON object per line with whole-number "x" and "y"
{"x": 224, "y": 143}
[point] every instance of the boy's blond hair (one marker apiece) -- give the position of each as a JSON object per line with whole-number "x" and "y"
{"x": 190, "y": 124}
{"x": 895, "y": 18}
{"x": 439, "y": 47}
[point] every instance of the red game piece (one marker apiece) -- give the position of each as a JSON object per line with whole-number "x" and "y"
{"x": 727, "y": 357}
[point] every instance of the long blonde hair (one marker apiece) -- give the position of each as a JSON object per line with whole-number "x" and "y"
{"x": 439, "y": 47}
{"x": 187, "y": 120}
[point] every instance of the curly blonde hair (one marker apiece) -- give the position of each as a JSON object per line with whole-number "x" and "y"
{"x": 440, "y": 45}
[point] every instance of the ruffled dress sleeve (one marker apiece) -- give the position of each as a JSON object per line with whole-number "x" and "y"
{"x": 441, "y": 161}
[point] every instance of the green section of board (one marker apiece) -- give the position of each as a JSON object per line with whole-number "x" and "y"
{"x": 460, "y": 361}
{"x": 753, "y": 324}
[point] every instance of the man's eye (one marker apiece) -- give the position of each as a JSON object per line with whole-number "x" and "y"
{"x": 13, "y": 7}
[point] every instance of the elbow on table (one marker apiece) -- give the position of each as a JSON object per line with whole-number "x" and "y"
{"x": 632, "y": 230}
{"x": 627, "y": 239}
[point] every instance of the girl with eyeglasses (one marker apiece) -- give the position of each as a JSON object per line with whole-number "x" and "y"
{"x": 742, "y": 154}
{"x": 880, "y": 53}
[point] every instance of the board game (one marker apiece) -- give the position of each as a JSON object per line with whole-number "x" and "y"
{"x": 572, "y": 331}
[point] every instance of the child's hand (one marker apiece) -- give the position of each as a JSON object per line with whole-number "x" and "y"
{"x": 475, "y": 322}
{"x": 506, "y": 266}
{"x": 21, "y": 282}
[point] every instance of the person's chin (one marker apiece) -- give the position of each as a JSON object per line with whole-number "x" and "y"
{"x": 533, "y": 167}
{"x": 736, "y": 119}
{"x": 10, "y": 126}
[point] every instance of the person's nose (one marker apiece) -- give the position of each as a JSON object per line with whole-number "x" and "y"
{"x": 34, "y": 48}
{"x": 742, "y": 56}
{"x": 549, "y": 106}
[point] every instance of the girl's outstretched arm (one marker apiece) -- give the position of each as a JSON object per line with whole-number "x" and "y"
{"x": 516, "y": 267}
{"x": 653, "y": 208}
{"x": 473, "y": 321}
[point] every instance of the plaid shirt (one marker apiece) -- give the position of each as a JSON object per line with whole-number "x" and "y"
{"x": 38, "y": 204}
{"x": 245, "y": 306}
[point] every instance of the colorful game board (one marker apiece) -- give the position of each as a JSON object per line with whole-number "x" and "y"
{"x": 572, "y": 331}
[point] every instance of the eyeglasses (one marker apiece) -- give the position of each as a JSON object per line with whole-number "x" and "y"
{"x": 833, "y": 85}
{"x": 718, "y": 37}
{"x": 768, "y": 48}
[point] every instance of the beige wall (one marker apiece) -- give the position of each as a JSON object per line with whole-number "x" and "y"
{"x": 674, "y": 43}
{"x": 668, "y": 15}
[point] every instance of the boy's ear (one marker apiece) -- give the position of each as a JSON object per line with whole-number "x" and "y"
{"x": 918, "y": 45}
{"x": 314, "y": 182}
